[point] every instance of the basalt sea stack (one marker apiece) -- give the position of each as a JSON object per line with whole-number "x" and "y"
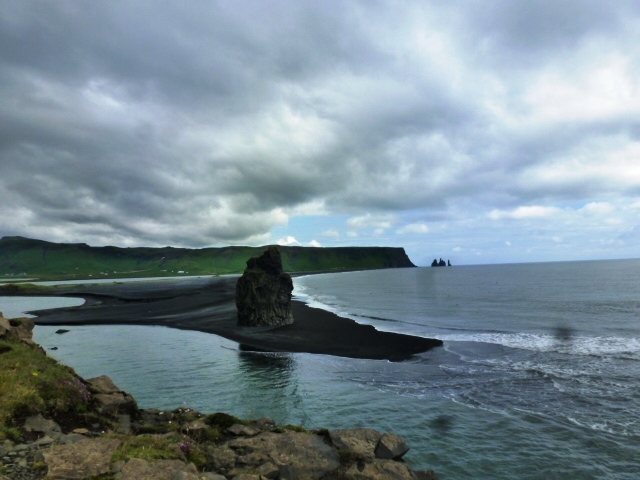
{"x": 263, "y": 293}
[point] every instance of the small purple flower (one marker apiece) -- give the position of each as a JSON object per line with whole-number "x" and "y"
{"x": 185, "y": 447}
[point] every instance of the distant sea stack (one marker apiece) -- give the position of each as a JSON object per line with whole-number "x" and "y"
{"x": 263, "y": 293}
{"x": 440, "y": 263}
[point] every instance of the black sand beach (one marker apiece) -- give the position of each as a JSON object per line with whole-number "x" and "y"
{"x": 208, "y": 305}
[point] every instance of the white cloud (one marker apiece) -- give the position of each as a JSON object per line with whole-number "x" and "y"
{"x": 524, "y": 212}
{"x": 314, "y": 243}
{"x": 288, "y": 241}
{"x": 413, "y": 228}
{"x": 380, "y": 222}
{"x": 596, "y": 209}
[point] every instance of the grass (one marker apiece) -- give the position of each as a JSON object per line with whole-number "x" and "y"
{"x": 147, "y": 447}
{"x": 32, "y": 383}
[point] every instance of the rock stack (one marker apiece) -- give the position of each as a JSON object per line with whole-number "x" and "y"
{"x": 263, "y": 293}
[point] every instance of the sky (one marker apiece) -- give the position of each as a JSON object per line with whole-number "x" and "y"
{"x": 477, "y": 131}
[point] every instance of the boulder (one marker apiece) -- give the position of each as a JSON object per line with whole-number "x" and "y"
{"x": 243, "y": 430}
{"x": 102, "y": 384}
{"x": 80, "y": 460}
{"x": 137, "y": 469}
{"x": 391, "y": 447}
{"x": 39, "y": 424}
{"x": 263, "y": 293}
{"x": 379, "y": 470}
{"x": 111, "y": 398}
{"x": 221, "y": 459}
{"x": 361, "y": 443}
{"x": 305, "y": 455}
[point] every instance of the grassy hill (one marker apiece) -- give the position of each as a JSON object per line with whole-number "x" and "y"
{"x": 36, "y": 258}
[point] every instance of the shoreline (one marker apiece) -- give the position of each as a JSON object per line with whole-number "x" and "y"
{"x": 208, "y": 305}
{"x": 88, "y": 428}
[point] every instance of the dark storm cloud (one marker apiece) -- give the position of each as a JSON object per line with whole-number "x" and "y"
{"x": 203, "y": 123}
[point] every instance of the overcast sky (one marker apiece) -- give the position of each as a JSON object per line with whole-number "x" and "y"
{"x": 479, "y": 131}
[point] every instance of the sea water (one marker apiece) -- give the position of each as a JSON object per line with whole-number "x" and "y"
{"x": 539, "y": 376}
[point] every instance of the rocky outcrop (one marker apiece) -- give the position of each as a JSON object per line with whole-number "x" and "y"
{"x": 205, "y": 447}
{"x": 20, "y": 328}
{"x": 263, "y": 293}
{"x": 110, "y": 398}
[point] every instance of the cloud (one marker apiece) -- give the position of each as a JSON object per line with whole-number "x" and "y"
{"x": 413, "y": 228}
{"x": 597, "y": 208}
{"x": 206, "y": 124}
{"x": 288, "y": 241}
{"x": 368, "y": 221}
{"x": 524, "y": 212}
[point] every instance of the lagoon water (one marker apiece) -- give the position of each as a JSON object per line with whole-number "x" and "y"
{"x": 539, "y": 377}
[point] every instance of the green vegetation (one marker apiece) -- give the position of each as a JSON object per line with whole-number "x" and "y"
{"x": 146, "y": 447}
{"x": 292, "y": 428}
{"x": 27, "y": 258}
{"x": 32, "y": 383}
{"x": 222, "y": 421}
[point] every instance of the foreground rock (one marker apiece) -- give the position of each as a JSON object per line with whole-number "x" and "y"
{"x": 202, "y": 447}
{"x": 20, "y": 328}
{"x": 263, "y": 293}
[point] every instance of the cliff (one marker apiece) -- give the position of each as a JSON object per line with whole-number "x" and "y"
{"x": 24, "y": 256}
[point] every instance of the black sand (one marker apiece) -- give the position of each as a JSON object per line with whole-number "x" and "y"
{"x": 208, "y": 305}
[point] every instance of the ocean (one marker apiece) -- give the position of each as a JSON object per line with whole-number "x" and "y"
{"x": 539, "y": 376}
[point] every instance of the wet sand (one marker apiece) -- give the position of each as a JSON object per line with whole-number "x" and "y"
{"x": 208, "y": 305}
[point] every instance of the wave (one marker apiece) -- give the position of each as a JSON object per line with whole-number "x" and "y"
{"x": 617, "y": 347}
{"x": 621, "y": 347}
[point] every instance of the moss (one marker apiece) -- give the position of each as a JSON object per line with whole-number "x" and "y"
{"x": 198, "y": 456}
{"x": 223, "y": 420}
{"x": 183, "y": 416}
{"x": 9, "y": 433}
{"x": 146, "y": 447}
{"x": 292, "y": 428}
{"x": 212, "y": 434}
{"x": 158, "y": 429}
{"x": 40, "y": 466}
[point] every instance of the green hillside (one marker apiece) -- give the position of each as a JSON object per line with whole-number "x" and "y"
{"x": 36, "y": 258}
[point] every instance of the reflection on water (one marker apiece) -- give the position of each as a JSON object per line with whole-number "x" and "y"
{"x": 271, "y": 379}
{"x": 266, "y": 366}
